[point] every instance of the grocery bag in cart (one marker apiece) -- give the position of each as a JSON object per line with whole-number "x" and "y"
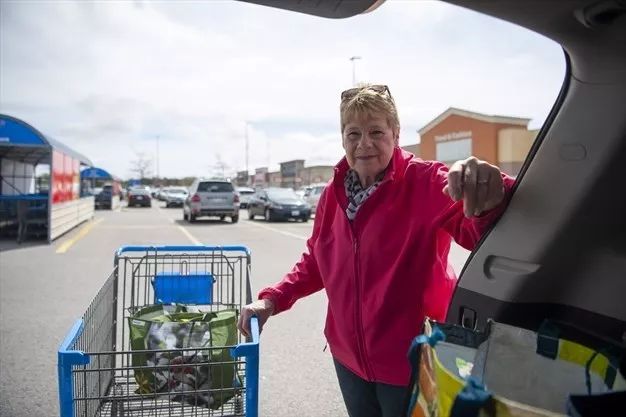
{"x": 160, "y": 338}
{"x": 508, "y": 371}
{"x": 169, "y": 338}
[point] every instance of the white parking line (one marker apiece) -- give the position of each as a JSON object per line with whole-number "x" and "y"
{"x": 187, "y": 233}
{"x": 130, "y": 227}
{"x": 282, "y": 232}
{"x": 189, "y": 236}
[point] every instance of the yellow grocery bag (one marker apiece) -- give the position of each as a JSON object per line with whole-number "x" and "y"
{"x": 507, "y": 371}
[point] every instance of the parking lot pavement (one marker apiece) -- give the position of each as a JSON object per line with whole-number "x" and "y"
{"x": 44, "y": 288}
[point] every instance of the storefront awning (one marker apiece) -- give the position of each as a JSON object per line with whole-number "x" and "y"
{"x": 96, "y": 174}
{"x": 20, "y": 141}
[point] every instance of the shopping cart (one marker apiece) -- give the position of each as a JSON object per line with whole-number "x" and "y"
{"x": 95, "y": 361}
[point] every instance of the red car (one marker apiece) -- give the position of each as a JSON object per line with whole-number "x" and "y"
{"x": 139, "y": 197}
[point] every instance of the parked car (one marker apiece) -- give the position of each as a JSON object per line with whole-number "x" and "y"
{"x": 278, "y": 204}
{"x": 211, "y": 198}
{"x": 139, "y": 197}
{"x": 312, "y": 197}
{"x": 559, "y": 250}
{"x": 301, "y": 193}
{"x": 160, "y": 195}
{"x": 245, "y": 193}
{"x": 94, "y": 191}
{"x": 103, "y": 199}
{"x": 174, "y": 196}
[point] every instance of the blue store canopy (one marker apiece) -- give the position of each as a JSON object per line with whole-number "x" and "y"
{"x": 19, "y": 141}
{"x": 97, "y": 174}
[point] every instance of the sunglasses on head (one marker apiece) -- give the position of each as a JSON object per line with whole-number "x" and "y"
{"x": 351, "y": 92}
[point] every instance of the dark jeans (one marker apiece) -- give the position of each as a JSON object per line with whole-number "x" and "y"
{"x": 369, "y": 399}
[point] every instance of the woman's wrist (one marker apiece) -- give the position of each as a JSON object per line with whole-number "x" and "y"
{"x": 268, "y": 304}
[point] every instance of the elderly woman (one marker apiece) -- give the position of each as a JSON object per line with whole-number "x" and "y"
{"x": 380, "y": 246}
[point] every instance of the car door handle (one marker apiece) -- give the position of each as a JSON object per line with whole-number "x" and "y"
{"x": 501, "y": 267}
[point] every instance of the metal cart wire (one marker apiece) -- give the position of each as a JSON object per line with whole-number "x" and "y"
{"x": 95, "y": 367}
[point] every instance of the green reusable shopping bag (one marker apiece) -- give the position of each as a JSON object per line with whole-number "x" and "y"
{"x": 204, "y": 376}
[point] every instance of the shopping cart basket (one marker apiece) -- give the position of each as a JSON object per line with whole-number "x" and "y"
{"x": 95, "y": 361}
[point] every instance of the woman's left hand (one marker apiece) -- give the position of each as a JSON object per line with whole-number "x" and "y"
{"x": 478, "y": 183}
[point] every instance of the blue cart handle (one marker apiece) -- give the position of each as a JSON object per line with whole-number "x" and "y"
{"x": 252, "y": 347}
{"x": 250, "y": 350}
{"x": 188, "y": 248}
{"x": 67, "y": 358}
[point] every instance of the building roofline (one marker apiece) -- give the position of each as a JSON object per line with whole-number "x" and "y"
{"x": 520, "y": 121}
{"x": 319, "y": 166}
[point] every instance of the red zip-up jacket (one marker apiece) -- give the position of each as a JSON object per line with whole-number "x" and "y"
{"x": 388, "y": 269}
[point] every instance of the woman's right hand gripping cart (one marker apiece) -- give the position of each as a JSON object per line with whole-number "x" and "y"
{"x": 262, "y": 309}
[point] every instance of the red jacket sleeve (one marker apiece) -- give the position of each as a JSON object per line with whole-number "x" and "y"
{"x": 304, "y": 278}
{"x": 466, "y": 232}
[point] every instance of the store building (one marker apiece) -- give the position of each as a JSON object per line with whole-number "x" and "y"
{"x": 242, "y": 179}
{"x": 457, "y": 134}
{"x": 260, "y": 178}
{"x": 274, "y": 179}
{"x": 316, "y": 174}
{"x": 290, "y": 173}
{"x": 414, "y": 149}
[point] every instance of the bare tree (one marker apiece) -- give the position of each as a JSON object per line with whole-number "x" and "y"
{"x": 142, "y": 165}
{"x": 220, "y": 168}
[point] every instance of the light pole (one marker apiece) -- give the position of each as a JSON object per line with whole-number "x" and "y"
{"x": 157, "y": 158}
{"x": 354, "y": 59}
{"x": 247, "y": 148}
{"x": 268, "y": 152}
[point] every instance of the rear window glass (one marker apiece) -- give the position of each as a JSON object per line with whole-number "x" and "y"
{"x": 177, "y": 191}
{"x": 282, "y": 193}
{"x": 215, "y": 187}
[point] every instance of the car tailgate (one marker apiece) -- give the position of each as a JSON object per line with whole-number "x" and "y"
{"x": 217, "y": 200}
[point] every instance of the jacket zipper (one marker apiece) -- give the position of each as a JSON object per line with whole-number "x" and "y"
{"x": 362, "y": 351}
{"x": 359, "y": 314}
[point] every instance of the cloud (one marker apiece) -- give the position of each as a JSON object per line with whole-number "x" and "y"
{"x": 108, "y": 78}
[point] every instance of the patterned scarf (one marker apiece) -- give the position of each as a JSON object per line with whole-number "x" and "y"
{"x": 356, "y": 193}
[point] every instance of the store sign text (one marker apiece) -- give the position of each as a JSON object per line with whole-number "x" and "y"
{"x": 467, "y": 134}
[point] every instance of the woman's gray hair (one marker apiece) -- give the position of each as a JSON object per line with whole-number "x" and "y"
{"x": 369, "y": 101}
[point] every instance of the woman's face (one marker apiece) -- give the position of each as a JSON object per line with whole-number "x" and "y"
{"x": 369, "y": 142}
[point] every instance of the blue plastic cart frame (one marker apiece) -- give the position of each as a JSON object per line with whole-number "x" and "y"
{"x": 69, "y": 357}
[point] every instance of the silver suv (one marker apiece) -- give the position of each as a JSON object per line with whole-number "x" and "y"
{"x": 312, "y": 196}
{"x": 216, "y": 198}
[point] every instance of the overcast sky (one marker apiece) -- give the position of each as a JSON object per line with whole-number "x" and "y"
{"x": 107, "y": 78}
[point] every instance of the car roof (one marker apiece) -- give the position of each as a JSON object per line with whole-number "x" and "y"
{"x": 559, "y": 250}
{"x": 213, "y": 180}
{"x": 277, "y": 189}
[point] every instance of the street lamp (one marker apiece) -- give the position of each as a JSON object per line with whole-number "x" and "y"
{"x": 157, "y": 158}
{"x": 354, "y": 59}
{"x": 247, "y": 147}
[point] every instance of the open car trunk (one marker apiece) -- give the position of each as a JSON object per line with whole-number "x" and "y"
{"x": 559, "y": 250}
